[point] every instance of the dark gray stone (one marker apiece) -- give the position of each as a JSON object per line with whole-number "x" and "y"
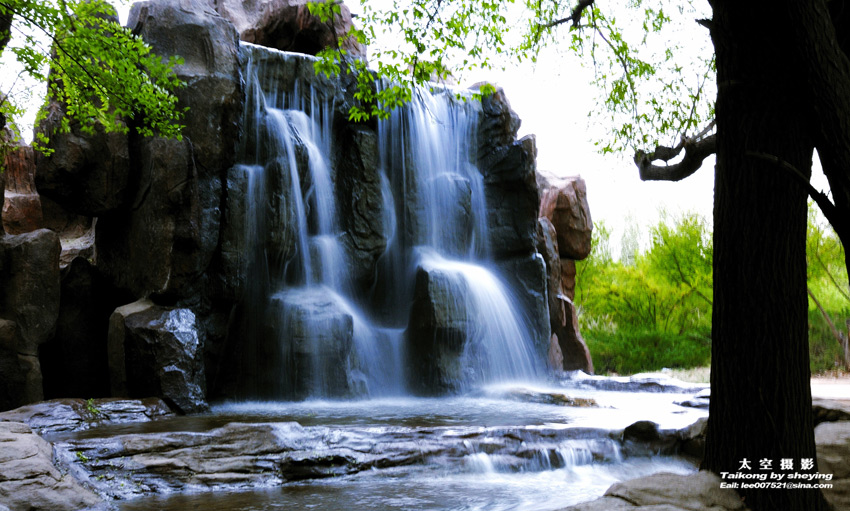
{"x": 156, "y": 351}
{"x": 315, "y": 338}
{"x": 89, "y": 175}
{"x": 74, "y": 360}
{"x": 60, "y": 416}
{"x": 437, "y": 332}
{"x": 510, "y": 190}
{"x": 527, "y": 277}
{"x": 174, "y": 213}
{"x": 29, "y": 306}
{"x": 361, "y": 202}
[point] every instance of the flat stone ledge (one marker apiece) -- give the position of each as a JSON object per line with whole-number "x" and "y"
{"x": 29, "y": 481}
{"x": 667, "y": 492}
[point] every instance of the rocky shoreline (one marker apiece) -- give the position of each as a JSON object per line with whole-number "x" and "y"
{"x": 83, "y": 470}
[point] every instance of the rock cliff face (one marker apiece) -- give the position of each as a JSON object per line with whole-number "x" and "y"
{"x": 564, "y": 236}
{"x": 273, "y": 252}
{"x": 288, "y": 25}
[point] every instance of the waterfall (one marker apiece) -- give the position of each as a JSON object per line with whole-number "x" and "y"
{"x": 340, "y": 220}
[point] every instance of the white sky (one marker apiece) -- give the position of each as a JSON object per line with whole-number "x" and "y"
{"x": 553, "y": 99}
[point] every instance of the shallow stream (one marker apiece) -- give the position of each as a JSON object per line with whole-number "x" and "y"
{"x": 504, "y": 448}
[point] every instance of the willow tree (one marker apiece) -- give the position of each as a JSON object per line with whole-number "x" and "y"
{"x": 103, "y": 74}
{"x": 782, "y": 78}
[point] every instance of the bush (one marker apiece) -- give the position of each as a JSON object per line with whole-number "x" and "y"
{"x": 653, "y": 310}
{"x": 629, "y": 352}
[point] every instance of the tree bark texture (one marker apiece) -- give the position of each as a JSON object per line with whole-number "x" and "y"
{"x": 760, "y": 393}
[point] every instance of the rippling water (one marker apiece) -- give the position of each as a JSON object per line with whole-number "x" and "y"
{"x": 556, "y": 459}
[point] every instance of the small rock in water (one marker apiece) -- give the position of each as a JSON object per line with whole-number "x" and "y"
{"x": 551, "y": 398}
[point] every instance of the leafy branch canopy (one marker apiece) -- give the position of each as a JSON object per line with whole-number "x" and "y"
{"x": 100, "y": 72}
{"x": 654, "y": 82}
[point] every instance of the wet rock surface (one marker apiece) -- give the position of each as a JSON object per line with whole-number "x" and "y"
{"x": 242, "y": 455}
{"x": 173, "y": 208}
{"x": 316, "y": 336}
{"x": 70, "y": 415}
{"x": 359, "y": 194}
{"x": 832, "y": 440}
{"x": 667, "y": 492}
{"x": 29, "y": 481}
{"x": 644, "y": 382}
{"x": 437, "y": 331}
{"x": 156, "y": 351}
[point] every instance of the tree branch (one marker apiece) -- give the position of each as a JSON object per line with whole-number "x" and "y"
{"x": 831, "y": 278}
{"x": 829, "y": 210}
{"x": 574, "y": 17}
{"x": 696, "y": 150}
{"x": 838, "y": 337}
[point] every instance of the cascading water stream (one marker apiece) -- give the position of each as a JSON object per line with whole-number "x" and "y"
{"x": 433, "y": 219}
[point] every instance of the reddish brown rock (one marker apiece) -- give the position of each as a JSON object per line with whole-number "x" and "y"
{"x": 21, "y": 206}
{"x": 564, "y": 202}
{"x": 568, "y": 278}
{"x": 22, "y": 212}
{"x": 566, "y": 341}
{"x": 20, "y": 170}
{"x": 556, "y": 356}
{"x": 576, "y": 354}
{"x": 288, "y": 25}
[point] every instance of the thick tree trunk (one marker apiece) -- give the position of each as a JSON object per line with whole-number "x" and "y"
{"x": 760, "y": 393}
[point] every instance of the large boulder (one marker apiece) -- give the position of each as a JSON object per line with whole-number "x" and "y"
{"x": 527, "y": 277}
{"x": 164, "y": 242}
{"x": 560, "y": 277}
{"x": 88, "y": 174}
{"x": 29, "y": 307}
{"x": 437, "y": 332}
{"x": 833, "y": 448}
{"x": 315, "y": 336}
{"x": 510, "y": 190}
{"x": 360, "y": 195}
{"x": 667, "y": 492}
{"x": 22, "y": 205}
{"x": 564, "y": 203}
{"x": 156, "y": 351}
{"x": 157, "y": 246}
{"x": 31, "y": 482}
{"x": 510, "y": 177}
{"x": 288, "y": 25}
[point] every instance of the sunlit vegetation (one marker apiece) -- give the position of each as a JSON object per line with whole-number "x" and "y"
{"x": 651, "y": 308}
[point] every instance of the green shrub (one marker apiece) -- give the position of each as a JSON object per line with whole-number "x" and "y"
{"x": 653, "y": 310}
{"x": 629, "y": 352}
{"x": 825, "y": 353}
